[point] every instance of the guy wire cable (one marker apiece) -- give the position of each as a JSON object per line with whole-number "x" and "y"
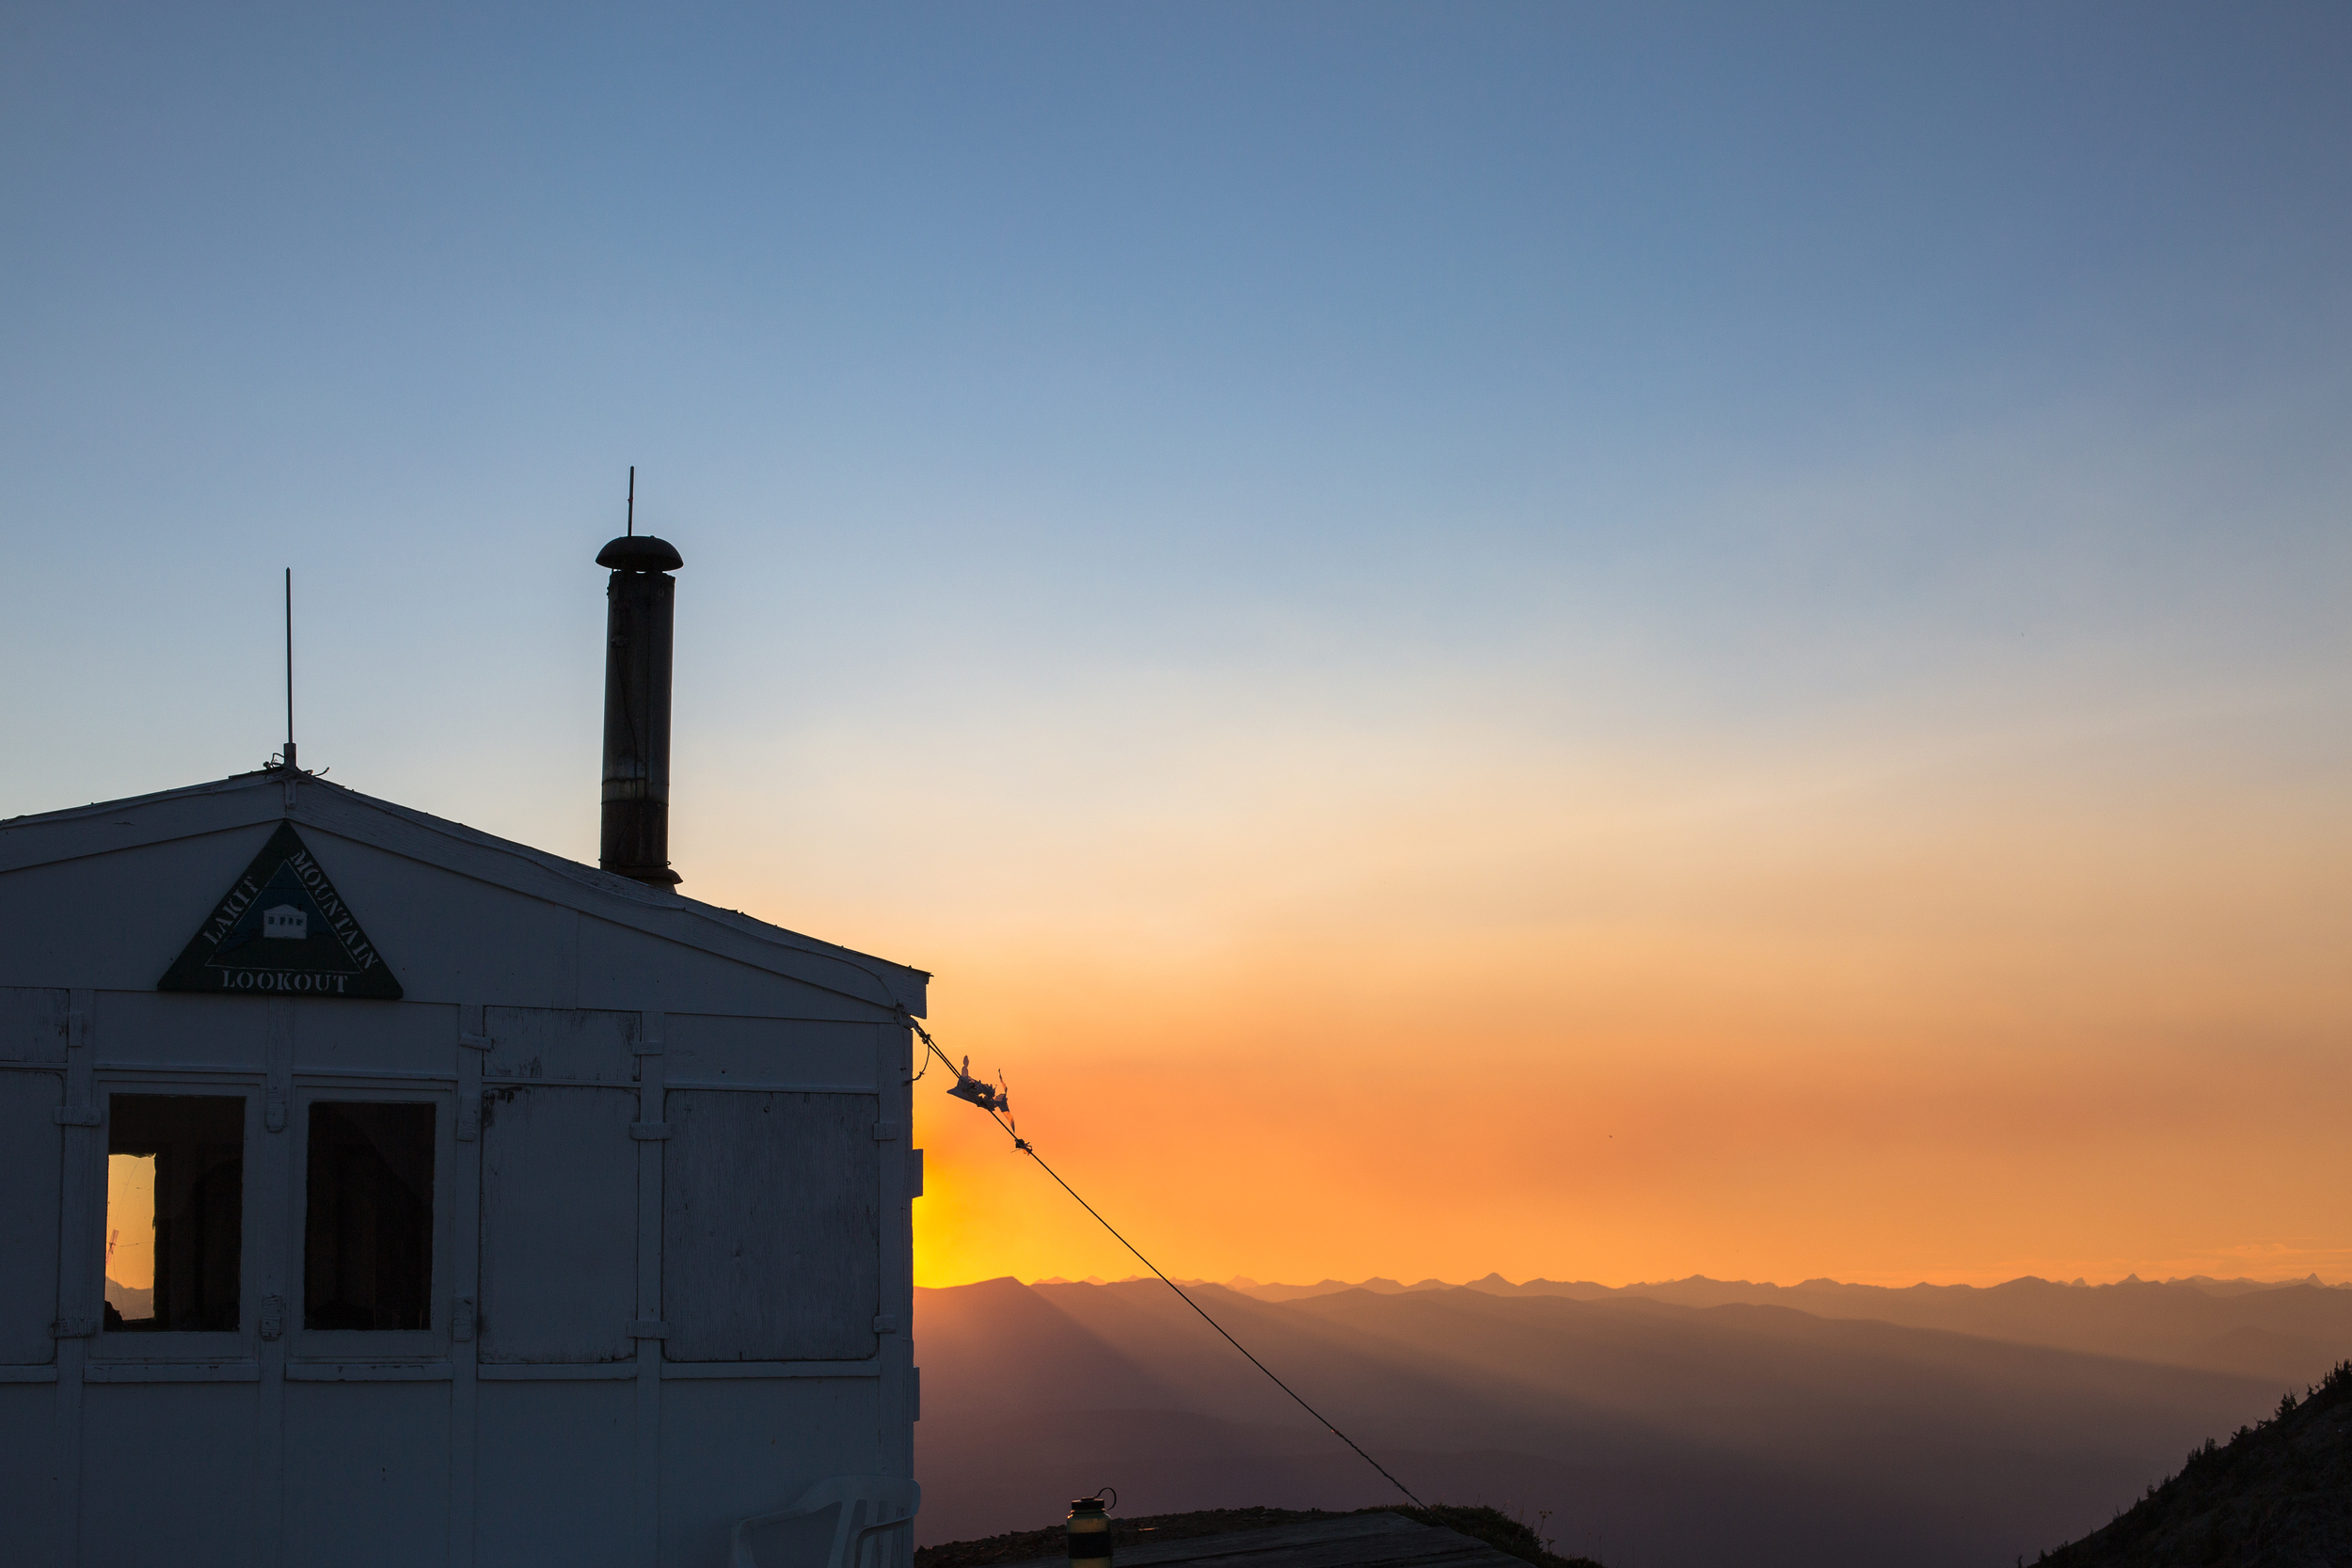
{"x": 1021, "y": 1145}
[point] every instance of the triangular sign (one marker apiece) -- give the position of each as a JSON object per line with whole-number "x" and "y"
{"x": 282, "y": 930}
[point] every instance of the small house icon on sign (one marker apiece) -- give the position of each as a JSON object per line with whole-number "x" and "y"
{"x": 285, "y": 921}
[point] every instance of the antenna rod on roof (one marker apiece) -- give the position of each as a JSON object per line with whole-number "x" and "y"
{"x": 290, "y": 741}
{"x": 632, "y": 502}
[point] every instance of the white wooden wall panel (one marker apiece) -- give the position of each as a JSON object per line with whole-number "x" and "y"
{"x": 555, "y": 1466}
{"x": 570, "y": 1046}
{"x": 567, "y": 884}
{"x": 194, "y": 842}
{"x": 29, "y": 1472}
{"x": 146, "y": 902}
{"x": 367, "y": 1474}
{"x": 31, "y": 1161}
{"x": 762, "y": 1052}
{"x": 893, "y": 1416}
{"x": 451, "y": 937}
{"x": 168, "y": 1475}
{"x": 559, "y": 1224}
{"x": 371, "y": 1037}
{"x": 32, "y": 1023}
{"x": 783, "y": 1213}
{"x": 620, "y": 967}
{"x": 645, "y": 1469}
{"x": 180, "y": 1029}
{"x": 732, "y": 1447}
{"x": 772, "y": 1231}
{"x": 115, "y": 826}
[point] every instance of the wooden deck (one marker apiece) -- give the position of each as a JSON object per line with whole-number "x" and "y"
{"x": 1355, "y": 1541}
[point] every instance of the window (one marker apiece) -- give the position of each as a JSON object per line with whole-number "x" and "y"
{"x": 175, "y": 1212}
{"x": 367, "y": 1258}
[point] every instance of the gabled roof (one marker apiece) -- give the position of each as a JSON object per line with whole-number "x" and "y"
{"x": 251, "y": 798}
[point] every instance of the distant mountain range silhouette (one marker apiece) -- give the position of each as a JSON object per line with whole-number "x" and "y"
{"x": 1694, "y": 1422}
{"x": 2196, "y": 1321}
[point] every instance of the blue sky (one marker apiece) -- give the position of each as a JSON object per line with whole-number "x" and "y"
{"x": 1166, "y": 332}
{"x": 1099, "y": 432}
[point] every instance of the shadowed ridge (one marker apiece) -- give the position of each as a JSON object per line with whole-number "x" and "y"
{"x": 1002, "y": 1335}
{"x": 1685, "y": 1438}
{"x": 2277, "y": 1491}
{"x": 1575, "y": 1290}
{"x": 1376, "y": 1284}
{"x": 2289, "y": 1331}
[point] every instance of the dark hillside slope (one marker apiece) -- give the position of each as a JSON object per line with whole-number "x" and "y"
{"x": 1658, "y": 1435}
{"x": 2276, "y": 1495}
{"x": 1128, "y": 1532}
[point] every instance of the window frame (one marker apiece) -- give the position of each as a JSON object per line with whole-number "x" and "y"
{"x": 371, "y": 1344}
{"x": 176, "y": 1345}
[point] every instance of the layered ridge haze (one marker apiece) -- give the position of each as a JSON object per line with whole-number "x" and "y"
{"x": 1657, "y": 1432}
{"x": 2290, "y": 1330}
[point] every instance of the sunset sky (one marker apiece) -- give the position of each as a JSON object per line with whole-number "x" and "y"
{"x": 1599, "y": 642}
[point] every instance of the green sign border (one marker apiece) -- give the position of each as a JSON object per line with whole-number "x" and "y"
{"x": 195, "y": 971}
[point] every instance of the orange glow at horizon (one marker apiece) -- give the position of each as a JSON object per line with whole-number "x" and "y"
{"x": 1956, "y": 1012}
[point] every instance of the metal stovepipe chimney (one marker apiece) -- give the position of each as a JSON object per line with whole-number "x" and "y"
{"x": 640, "y": 620}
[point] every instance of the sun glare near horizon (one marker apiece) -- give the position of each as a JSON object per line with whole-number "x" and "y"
{"x": 1947, "y": 1022}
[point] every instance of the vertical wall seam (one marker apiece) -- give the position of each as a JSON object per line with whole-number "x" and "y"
{"x": 76, "y": 1260}
{"x": 465, "y": 1291}
{"x": 281, "y": 1194}
{"x": 894, "y": 1392}
{"x": 651, "y": 1032}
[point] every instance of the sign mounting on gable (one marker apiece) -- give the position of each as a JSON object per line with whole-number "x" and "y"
{"x": 282, "y": 928}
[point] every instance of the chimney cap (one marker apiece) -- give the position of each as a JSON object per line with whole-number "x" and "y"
{"x": 640, "y": 552}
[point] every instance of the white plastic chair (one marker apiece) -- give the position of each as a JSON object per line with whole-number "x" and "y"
{"x": 871, "y": 1507}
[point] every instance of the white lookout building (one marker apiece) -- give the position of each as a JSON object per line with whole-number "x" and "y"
{"x": 380, "y": 1192}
